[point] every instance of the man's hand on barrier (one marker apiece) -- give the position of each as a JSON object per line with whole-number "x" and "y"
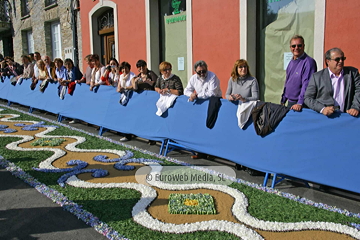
{"x": 353, "y": 112}
{"x": 327, "y": 111}
{"x": 193, "y": 96}
{"x": 296, "y": 107}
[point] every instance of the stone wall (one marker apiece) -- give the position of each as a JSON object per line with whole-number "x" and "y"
{"x": 39, "y": 21}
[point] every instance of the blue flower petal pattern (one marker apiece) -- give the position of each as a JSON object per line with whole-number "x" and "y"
{"x": 6, "y": 129}
{"x": 121, "y": 165}
{"x": 80, "y": 165}
{"x": 97, "y": 173}
{"x": 105, "y": 159}
{"x": 34, "y": 127}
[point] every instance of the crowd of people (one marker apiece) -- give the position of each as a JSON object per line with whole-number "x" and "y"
{"x": 333, "y": 89}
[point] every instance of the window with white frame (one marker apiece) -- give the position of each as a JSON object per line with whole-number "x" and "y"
{"x": 56, "y": 40}
{"x": 30, "y": 41}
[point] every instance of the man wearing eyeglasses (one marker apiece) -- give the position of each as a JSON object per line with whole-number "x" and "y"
{"x": 335, "y": 88}
{"x": 203, "y": 84}
{"x": 298, "y": 74}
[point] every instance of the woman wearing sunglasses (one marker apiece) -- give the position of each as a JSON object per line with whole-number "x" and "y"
{"x": 242, "y": 86}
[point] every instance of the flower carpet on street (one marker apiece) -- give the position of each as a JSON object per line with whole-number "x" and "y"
{"x": 95, "y": 179}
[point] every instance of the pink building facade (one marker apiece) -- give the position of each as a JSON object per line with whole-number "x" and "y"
{"x": 218, "y": 32}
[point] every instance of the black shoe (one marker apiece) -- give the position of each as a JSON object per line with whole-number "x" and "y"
{"x": 253, "y": 172}
{"x": 198, "y": 156}
{"x": 239, "y": 167}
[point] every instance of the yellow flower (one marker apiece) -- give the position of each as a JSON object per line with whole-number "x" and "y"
{"x": 189, "y": 202}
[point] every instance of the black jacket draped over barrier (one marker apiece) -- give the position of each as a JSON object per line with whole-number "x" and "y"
{"x": 266, "y": 116}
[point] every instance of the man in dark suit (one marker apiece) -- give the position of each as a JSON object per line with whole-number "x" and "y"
{"x": 335, "y": 87}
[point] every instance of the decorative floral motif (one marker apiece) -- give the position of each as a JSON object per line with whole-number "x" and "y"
{"x": 191, "y": 203}
{"x": 121, "y": 165}
{"x": 141, "y": 215}
{"x": 48, "y": 142}
{"x": 356, "y": 225}
{"x": 97, "y": 173}
{"x": 239, "y": 209}
{"x": 6, "y": 129}
{"x": 63, "y": 201}
{"x": 33, "y": 127}
{"x": 105, "y": 159}
{"x": 79, "y": 165}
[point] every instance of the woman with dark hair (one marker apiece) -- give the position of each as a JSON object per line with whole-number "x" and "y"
{"x": 74, "y": 74}
{"x": 146, "y": 78}
{"x": 124, "y": 87}
{"x": 125, "y": 78}
{"x": 60, "y": 71}
{"x": 112, "y": 73}
{"x": 242, "y": 86}
{"x": 11, "y": 68}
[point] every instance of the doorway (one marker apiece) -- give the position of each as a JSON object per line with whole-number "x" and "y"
{"x": 107, "y": 37}
{"x": 108, "y": 51}
{"x": 168, "y": 36}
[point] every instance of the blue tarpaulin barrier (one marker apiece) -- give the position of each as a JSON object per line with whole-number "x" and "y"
{"x": 305, "y": 145}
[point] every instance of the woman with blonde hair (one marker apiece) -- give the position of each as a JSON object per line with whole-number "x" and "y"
{"x": 168, "y": 83}
{"x": 242, "y": 85}
{"x": 42, "y": 75}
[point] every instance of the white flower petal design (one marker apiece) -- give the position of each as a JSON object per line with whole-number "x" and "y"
{"x": 58, "y": 153}
{"x": 141, "y": 215}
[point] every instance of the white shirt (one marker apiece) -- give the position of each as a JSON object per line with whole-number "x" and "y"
{"x": 126, "y": 82}
{"x": 36, "y": 70}
{"x": 49, "y": 70}
{"x": 114, "y": 78}
{"x": 98, "y": 75}
{"x": 205, "y": 88}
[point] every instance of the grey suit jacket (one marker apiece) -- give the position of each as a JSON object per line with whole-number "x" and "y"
{"x": 319, "y": 93}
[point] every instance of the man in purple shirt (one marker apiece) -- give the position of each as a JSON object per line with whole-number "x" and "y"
{"x": 298, "y": 74}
